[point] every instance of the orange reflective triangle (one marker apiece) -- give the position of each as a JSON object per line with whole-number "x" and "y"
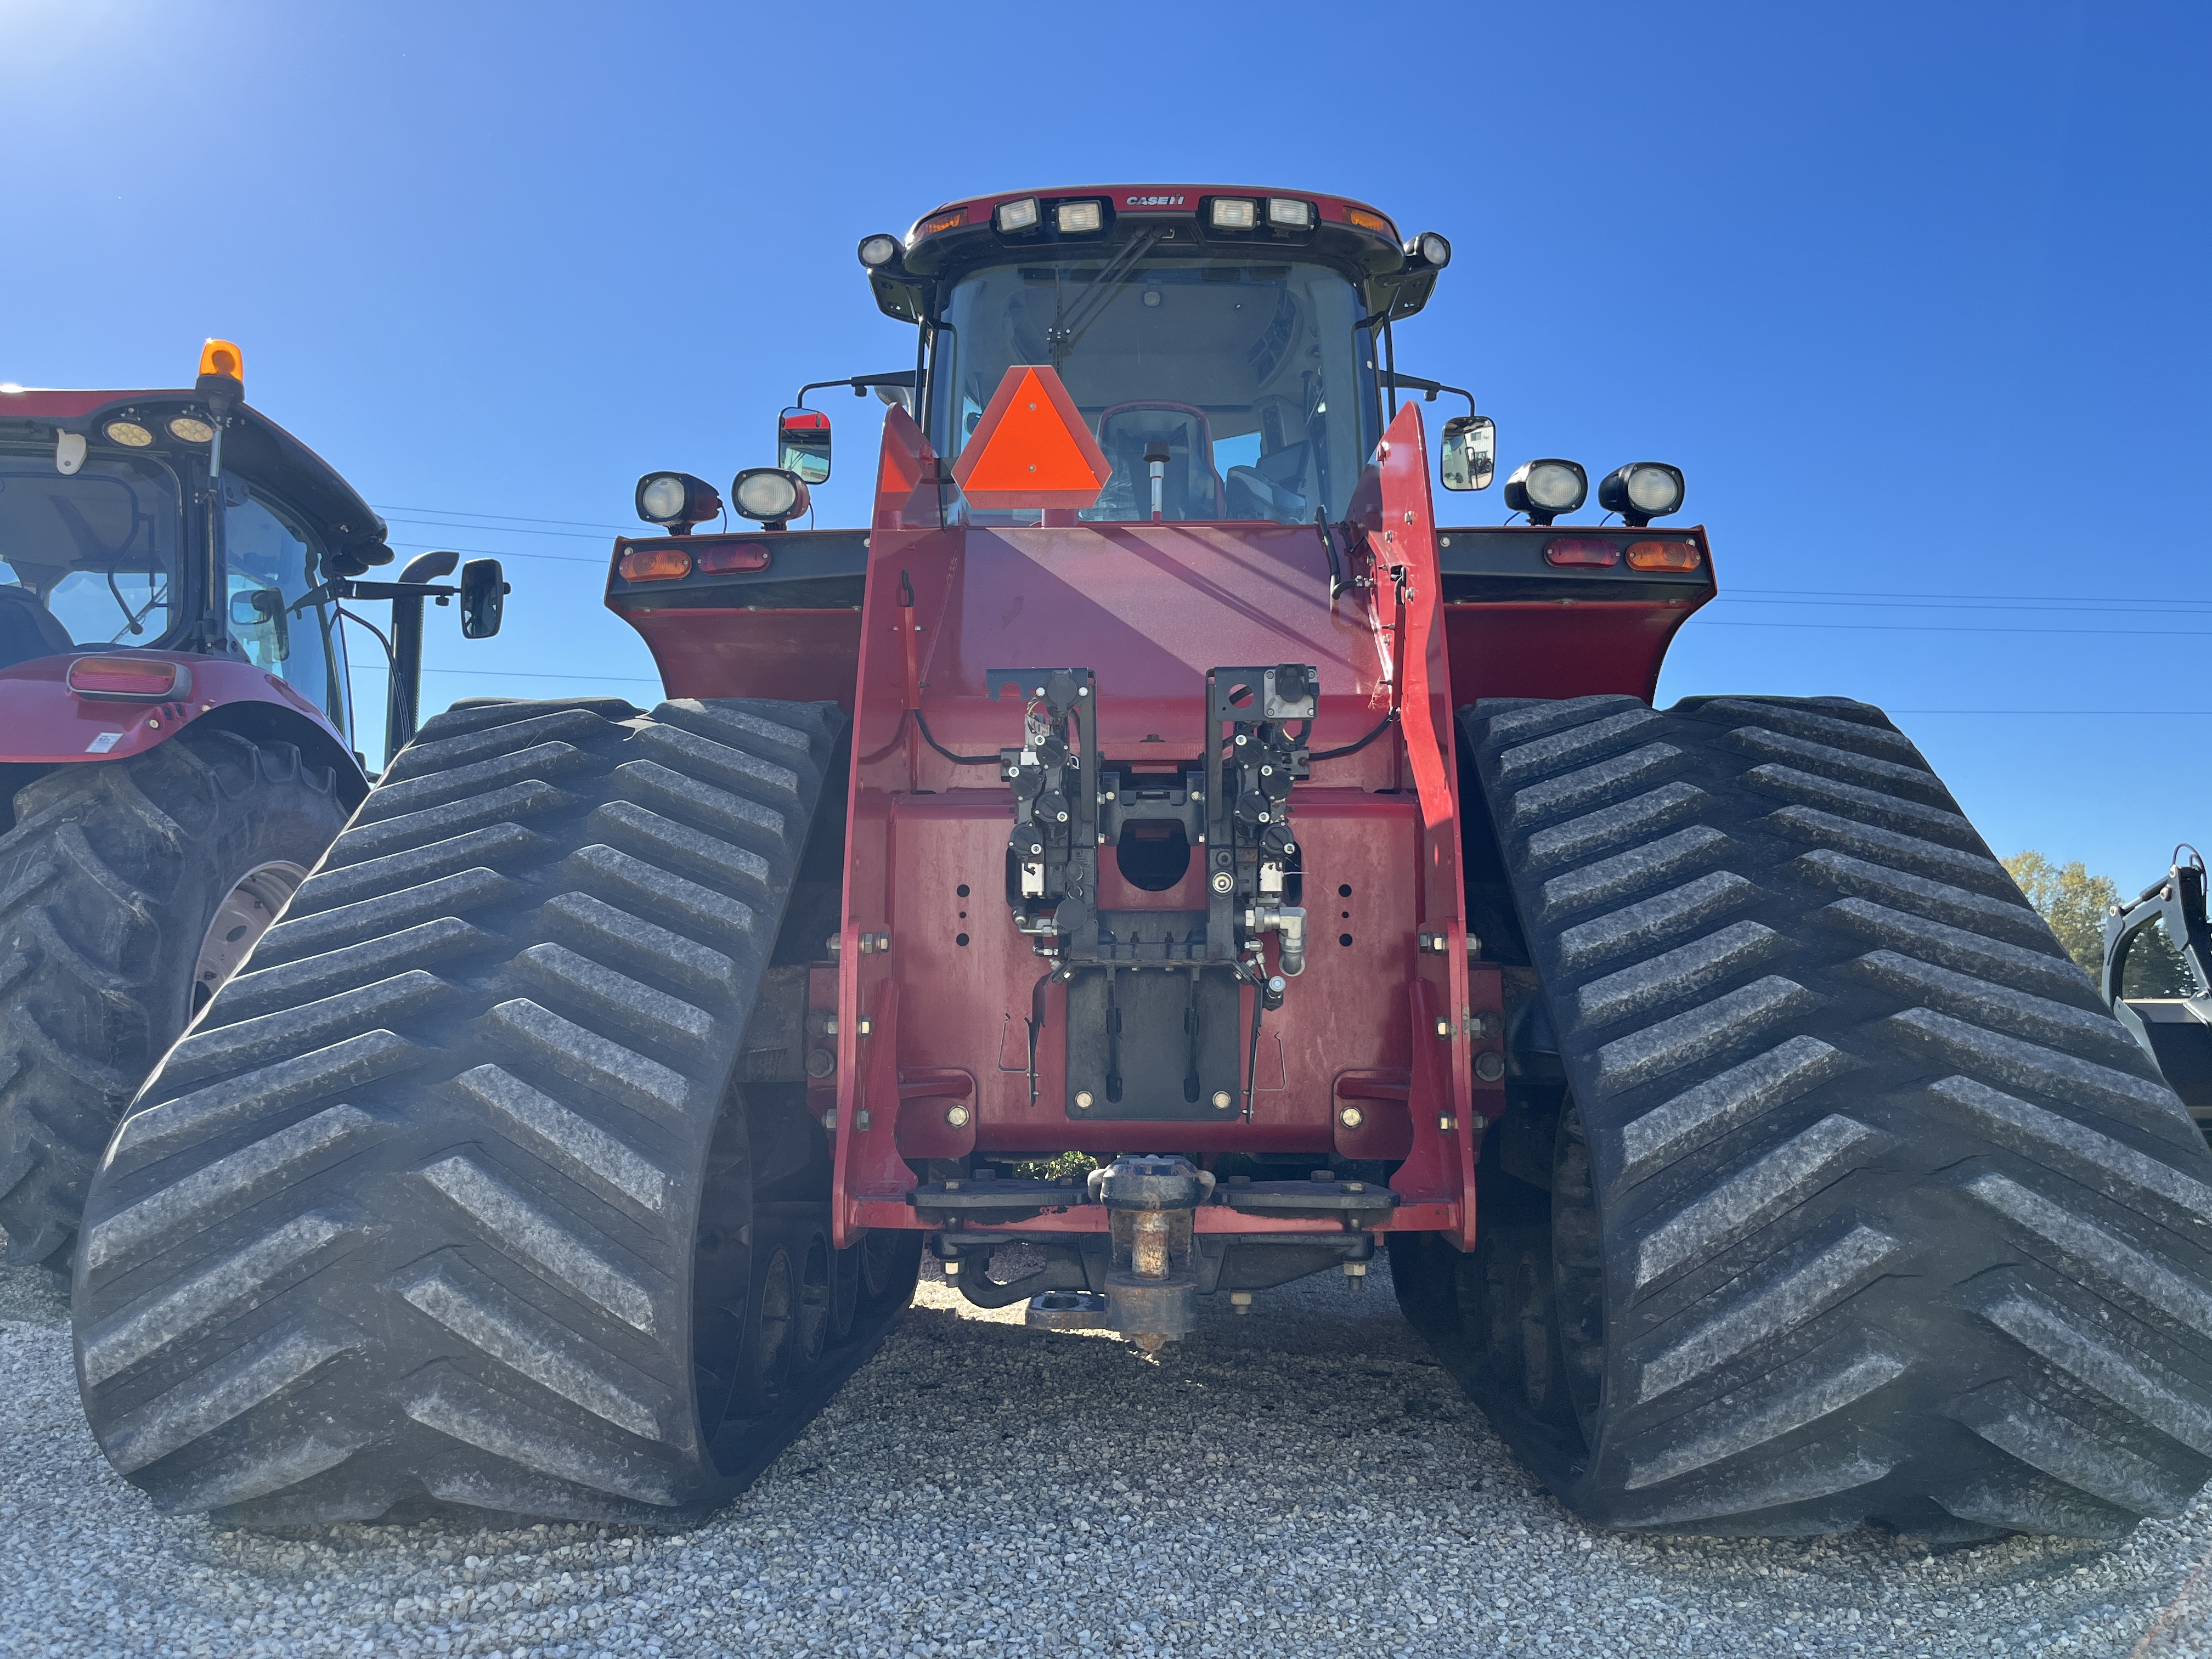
{"x": 1032, "y": 446}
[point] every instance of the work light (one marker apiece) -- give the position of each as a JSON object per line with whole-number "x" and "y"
{"x": 878, "y": 250}
{"x": 1230, "y": 213}
{"x": 1017, "y": 215}
{"x": 768, "y": 495}
{"x": 1544, "y": 489}
{"x": 191, "y": 429}
{"x": 1288, "y": 213}
{"x": 128, "y": 434}
{"x": 1642, "y": 491}
{"x": 1078, "y": 218}
{"x": 677, "y": 499}
{"x": 1430, "y": 249}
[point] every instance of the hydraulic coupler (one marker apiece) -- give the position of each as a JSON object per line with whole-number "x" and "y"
{"x": 1152, "y": 1288}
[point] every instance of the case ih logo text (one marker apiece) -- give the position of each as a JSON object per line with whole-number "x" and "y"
{"x": 1151, "y": 201}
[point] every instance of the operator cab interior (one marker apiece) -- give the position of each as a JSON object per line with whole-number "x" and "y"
{"x": 1252, "y": 376}
{"x": 87, "y": 559}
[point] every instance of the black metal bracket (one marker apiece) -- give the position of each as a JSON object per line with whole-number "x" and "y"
{"x": 2180, "y": 1042}
{"x": 1052, "y": 856}
{"x": 1252, "y": 859}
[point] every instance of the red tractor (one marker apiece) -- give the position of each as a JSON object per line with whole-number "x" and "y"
{"x": 1157, "y": 778}
{"x": 176, "y": 747}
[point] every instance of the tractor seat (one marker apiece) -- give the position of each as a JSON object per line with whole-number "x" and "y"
{"x": 27, "y": 629}
{"x": 1191, "y": 490}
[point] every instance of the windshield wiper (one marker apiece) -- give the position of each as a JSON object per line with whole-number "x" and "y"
{"x": 1067, "y": 325}
{"x": 133, "y": 623}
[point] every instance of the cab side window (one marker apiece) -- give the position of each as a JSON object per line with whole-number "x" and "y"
{"x": 271, "y": 559}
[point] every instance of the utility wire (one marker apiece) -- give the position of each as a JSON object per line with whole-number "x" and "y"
{"x": 1938, "y": 628}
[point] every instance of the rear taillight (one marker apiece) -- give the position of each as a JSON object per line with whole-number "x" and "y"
{"x": 1664, "y": 556}
{"x": 722, "y": 561}
{"x": 654, "y": 564}
{"x": 139, "y": 679}
{"x": 1581, "y": 550}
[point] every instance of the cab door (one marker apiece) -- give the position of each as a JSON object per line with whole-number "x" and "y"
{"x": 272, "y": 560}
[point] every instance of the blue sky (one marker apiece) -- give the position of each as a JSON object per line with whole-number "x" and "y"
{"x": 1916, "y": 295}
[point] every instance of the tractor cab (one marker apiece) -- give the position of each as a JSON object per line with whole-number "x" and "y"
{"x": 180, "y": 522}
{"x": 180, "y": 547}
{"x": 1235, "y": 341}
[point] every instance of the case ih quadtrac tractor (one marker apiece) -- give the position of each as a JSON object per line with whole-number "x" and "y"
{"x": 176, "y": 747}
{"x": 1160, "y": 776}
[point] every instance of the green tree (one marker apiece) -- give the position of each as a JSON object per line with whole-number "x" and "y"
{"x": 2076, "y": 903}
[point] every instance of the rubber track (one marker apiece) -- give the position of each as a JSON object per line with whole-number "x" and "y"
{"x": 407, "y": 1224}
{"x": 97, "y": 948}
{"x": 1896, "y": 1222}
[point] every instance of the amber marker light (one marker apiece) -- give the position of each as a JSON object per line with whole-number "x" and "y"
{"x": 137, "y": 679}
{"x": 1664, "y": 556}
{"x": 654, "y": 564}
{"x": 1367, "y": 219}
{"x": 224, "y": 358}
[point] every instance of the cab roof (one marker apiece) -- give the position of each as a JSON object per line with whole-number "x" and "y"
{"x": 255, "y": 445}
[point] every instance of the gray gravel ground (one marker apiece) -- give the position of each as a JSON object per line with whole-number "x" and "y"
{"x": 1301, "y": 1481}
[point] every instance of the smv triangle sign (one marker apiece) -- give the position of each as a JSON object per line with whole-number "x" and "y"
{"x": 1032, "y": 446}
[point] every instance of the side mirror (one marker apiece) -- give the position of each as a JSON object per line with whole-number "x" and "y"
{"x": 483, "y": 598}
{"x": 263, "y": 608}
{"x": 1470, "y": 451}
{"x": 802, "y": 444}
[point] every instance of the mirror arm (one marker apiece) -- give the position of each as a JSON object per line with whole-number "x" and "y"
{"x": 861, "y": 383}
{"x": 1429, "y": 389}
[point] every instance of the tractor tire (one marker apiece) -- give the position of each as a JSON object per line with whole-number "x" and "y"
{"x": 461, "y": 1200}
{"x": 128, "y": 891}
{"x": 1861, "y": 1208}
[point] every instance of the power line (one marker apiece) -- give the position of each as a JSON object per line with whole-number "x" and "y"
{"x": 1937, "y": 627}
{"x": 2043, "y": 599}
{"x": 491, "y": 553}
{"x": 506, "y": 518}
{"x": 2095, "y": 608}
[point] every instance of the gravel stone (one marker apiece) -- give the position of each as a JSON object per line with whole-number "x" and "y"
{"x": 1302, "y": 1482}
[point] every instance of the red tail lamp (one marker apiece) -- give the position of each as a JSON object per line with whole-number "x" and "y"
{"x": 1587, "y": 550}
{"x": 137, "y": 679}
{"x": 654, "y": 564}
{"x": 731, "y": 558}
{"x": 1664, "y": 556}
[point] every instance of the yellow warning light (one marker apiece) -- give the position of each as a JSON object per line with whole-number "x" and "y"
{"x": 221, "y": 357}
